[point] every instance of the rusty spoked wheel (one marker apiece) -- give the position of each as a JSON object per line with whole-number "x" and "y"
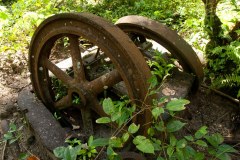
{"x": 142, "y": 29}
{"x": 74, "y": 57}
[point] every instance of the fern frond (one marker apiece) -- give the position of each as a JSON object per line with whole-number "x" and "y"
{"x": 227, "y": 81}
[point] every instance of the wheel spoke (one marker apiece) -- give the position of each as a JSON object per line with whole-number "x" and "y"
{"x": 105, "y": 81}
{"x": 95, "y": 105}
{"x": 87, "y": 120}
{"x": 66, "y": 79}
{"x": 77, "y": 62}
{"x": 64, "y": 102}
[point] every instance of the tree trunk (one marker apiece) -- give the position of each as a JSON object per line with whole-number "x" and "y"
{"x": 211, "y": 21}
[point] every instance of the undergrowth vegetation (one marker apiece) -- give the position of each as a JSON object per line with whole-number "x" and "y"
{"x": 20, "y": 18}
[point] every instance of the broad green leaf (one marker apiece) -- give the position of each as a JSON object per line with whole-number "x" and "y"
{"x": 156, "y": 112}
{"x": 3, "y": 16}
{"x": 68, "y": 155}
{"x": 13, "y": 127}
{"x": 177, "y": 105}
{"x": 223, "y": 156}
{"x": 143, "y": 144}
{"x": 226, "y": 148}
{"x": 108, "y": 106}
{"x": 115, "y": 142}
{"x": 153, "y": 81}
{"x": 174, "y": 125}
{"x": 182, "y": 143}
{"x": 156, "y": 144}
{"x": 173, "y": 140}
{"x": 189, "y": 152}
{"x": 199, "y": 156}
{"x": 125, "y": 137}
{"x": 8, "y": 136}
{"x": 110, "y": 151}
{"x": 180, "y": 155}
{"x": 133, "y": 128}
{"x": 201, "y": 132}
{"x": 160, "y": 126}
{"x": 189, "y": 138}
{"x": 215, "y": 139}
{"x": 90, "y": 140}
{"x": 201, "y": 143}
{"x": 170, "y": 151}
{"x": 150, "y": 131}
{"x": 100, "y": 142}
{"x": 103, "y": 120}
{"x": 116, "y": 115}
{"x": 59, "y": 152}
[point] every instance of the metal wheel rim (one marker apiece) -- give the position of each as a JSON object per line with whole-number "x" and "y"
{"x": 169, "y": 39}
{"x": 113, "y": 41}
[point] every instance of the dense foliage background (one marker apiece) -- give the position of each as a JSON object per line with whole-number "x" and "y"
{"x": 211, "y": 27}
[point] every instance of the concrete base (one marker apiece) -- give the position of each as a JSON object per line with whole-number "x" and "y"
{"x": 45, "y": 126}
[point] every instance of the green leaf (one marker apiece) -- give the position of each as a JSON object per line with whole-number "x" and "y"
{"x": 156, "y": 112}
{"x": 23, "y": 156}
{"x": 3, "y": 16}
{"x": 115, "y": 142}
{"x": 173, "y": 140}
{"x": 90, "y": 140}
{"x": 215, "y": 139}
{"x": 8, "y": 136}
{"x": 174, "y": 125}
{"x": 13, "y": 127}
{"x": 156, "y": 144}
{"x": 201, "y": 143}
{"x": 103, "y": 120}
{"x": 110, "y": 151}
{"x": 125, "y": 137}
{"x": 180, "y": 155}
{"x": 177, "y": 105}
{"x": 108, "y": 106}
{"x": 66, "y": 153}
{"x": 153, "y": 81}
{"x": 133, "y": 128}
{"x": 59, "y": 152}
{"x": 160, "y": 158}
{"x": 151, "y": 131}
{"x": 143, "y": 144}
{"x": 199, "y": 156}
{"x": 201, "y": 132}
{"x": 182, "y": 143}
{"x": 226, "y": 148}
{"x": 115, "y": 116}
{"x": 223, "y": 156}
{"x": 189, "y": 138}
{"x": 170, "y": 151}
{"x": 189, "y": 152}
{"x": 160, "y": 126}
{"x": 100, "y": 142}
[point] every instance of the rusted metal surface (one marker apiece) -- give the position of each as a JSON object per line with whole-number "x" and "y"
{"x": 129, "y": 65}
{"x": 149, "y": 29}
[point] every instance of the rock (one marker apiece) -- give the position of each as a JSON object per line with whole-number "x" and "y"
{"x": 45, "y": 126}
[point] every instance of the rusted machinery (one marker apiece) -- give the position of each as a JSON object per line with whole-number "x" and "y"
{"x": 76, "y": 57}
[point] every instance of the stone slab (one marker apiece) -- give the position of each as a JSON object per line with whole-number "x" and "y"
{"x": 46, "y": 127}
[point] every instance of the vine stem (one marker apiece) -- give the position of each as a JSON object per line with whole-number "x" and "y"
{"x": 222, "y": 94}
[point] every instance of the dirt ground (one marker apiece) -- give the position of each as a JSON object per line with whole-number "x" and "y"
{"x": 206, "y": 108}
